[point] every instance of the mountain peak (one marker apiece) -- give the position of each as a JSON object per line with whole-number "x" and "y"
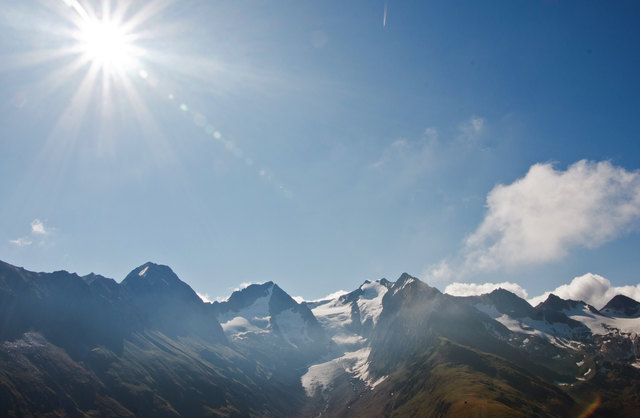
{"x": 509, "y": 303}
{"x": 556, "y": 303}
{"x": 151, "y": 272}
{"x": 403, "y": 281}
{"x": 157, "y": 279}
{"x": 405, "y": 277}
{"x": 245, "y": 297}
{"x": 621, "y": 305}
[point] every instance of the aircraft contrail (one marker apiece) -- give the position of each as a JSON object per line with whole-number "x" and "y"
{"x": 384, "y": 16}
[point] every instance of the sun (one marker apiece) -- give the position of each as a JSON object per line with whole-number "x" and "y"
{"x": 106, "y": 44}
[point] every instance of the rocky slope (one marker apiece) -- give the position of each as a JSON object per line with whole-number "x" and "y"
{"x": 148, "y": 346}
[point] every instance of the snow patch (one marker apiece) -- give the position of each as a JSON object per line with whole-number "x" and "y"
{"x": 601, "y": 324}
{"x": 370, "y": 301}
{"x": 333, "y": 315}
{"x": 321, "y": 376}
{"x": 292, "y": 326}
{"x": 526, "y": 325}
{"x": 143, "y": 271}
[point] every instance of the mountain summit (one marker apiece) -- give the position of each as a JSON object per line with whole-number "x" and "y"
{"x": 72, "y": 345}
{"x": 622, "y": 306}
{"x": 265, "y": 315}
{"x": 158, "y": 282}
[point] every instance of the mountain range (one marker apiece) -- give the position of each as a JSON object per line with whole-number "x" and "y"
{"x": 149, "y": 346}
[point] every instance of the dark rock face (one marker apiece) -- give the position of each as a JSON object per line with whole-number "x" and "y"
{"x": 166, "y": 303}
{"x": 510, "y": 304}
{"x": 69, "y": 311}
{"x": 623, "y": 306}
{"x": 78, "y": 313}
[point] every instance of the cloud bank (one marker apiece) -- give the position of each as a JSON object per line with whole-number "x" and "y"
{"x": 473, "y": 289}
{"x": 542, "y": 216}
{"x": 591, "y": 288}
{"x": 205, "y": 297}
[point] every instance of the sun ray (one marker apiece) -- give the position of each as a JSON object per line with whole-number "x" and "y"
{"x": 147, "y": 12}
{"x": 57, "y": 78}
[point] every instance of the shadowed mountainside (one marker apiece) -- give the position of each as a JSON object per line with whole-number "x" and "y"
{"x": 149, "y": 346}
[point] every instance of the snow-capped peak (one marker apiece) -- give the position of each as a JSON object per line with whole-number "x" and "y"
{"x": 266, "y": 309}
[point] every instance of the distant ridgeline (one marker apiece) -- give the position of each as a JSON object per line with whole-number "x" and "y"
{"x": 149, "y": 346}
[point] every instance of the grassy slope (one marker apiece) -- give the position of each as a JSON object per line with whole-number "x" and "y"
{"x": 40, "y": 379}
{"x": 457, "y": 381}
{"x": 155, "y": 376}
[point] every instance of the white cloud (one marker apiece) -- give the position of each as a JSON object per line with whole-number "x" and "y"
{"x": 244, "y": 285}
{"x": 399, "y": 149}
{"x": 473, "y": 289}
{"x": 431, "y": 134}
{"x": 21, "y": 242}
{"x": 38, "y": 232}
{"x": 205, "y": 297}
{"x": 406, "y": 159}
{"x": 591, "y": 288}
{"x": 37, "y": 227}
{"x": 333, "y": 295}
{"x": 411, "y": 156}
{"x": 472, "y": 129}
{"x": 439, "y": 272}
{"x": 543, "y": 215}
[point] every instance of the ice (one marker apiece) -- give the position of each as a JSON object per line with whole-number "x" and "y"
{"x": 370, "y": 302}
{"x": 601, "y": 324}
{"x": 292, "y": 327}
{"x": 321, "y": 376}
{"x": 333, "y": 315}
{"x": 528, "y": 325}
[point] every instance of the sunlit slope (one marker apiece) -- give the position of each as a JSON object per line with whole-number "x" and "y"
{"x": 449, "y": 379}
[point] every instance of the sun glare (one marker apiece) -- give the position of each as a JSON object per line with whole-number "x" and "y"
{"x": 106, "y": 44}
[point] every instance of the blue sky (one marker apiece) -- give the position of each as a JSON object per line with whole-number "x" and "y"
{"x": 319, "y": 144}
